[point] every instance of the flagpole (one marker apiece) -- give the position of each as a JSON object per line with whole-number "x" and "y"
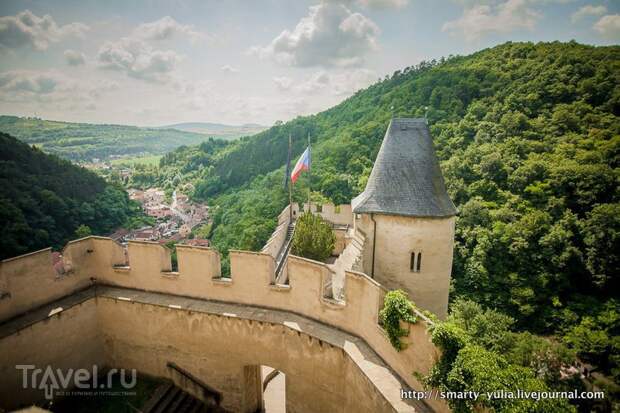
{"x": 309, "y": 173}
{"x": 290, "y": 185}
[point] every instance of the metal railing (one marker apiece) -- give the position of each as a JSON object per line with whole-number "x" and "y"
{"x": 286, "y": 249}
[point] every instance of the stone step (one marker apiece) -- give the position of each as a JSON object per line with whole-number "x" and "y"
{"x": 159, "y": 393}
{"x": 188, "y": 404}
{"x": 180, "y": 399}
{"x": 168, "y": 398}
{"x": 164, "y": 405}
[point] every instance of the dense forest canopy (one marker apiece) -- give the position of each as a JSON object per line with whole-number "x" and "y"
{"x": 44, "y": 200}
{"x": 528, "y": 137}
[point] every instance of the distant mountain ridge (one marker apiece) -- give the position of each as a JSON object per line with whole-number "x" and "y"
{"x": 87, "y": 142}
{"x": 216, "y": 128}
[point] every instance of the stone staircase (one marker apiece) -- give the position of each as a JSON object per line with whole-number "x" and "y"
{"x": 169, "y": 398}
{"x": 349, "y": 259}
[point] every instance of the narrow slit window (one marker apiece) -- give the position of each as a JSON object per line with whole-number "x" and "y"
{"x": 412, "y": 262}
{"x": 419, "y": 263}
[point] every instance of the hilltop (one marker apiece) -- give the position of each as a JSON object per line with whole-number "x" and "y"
{"x": 85, "y": 142}
{"x": 44, "y": 199}
{"x": 218, "y": 130}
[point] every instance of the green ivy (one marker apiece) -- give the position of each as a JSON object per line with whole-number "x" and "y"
{"x": 396, "y": 307}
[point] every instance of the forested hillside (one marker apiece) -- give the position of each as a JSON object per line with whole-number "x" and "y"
{"x": 218, "y": 130}
{"x": 528, "y": 136}
{"x": 84, "y": 141}
{"x": 44, "y": 199}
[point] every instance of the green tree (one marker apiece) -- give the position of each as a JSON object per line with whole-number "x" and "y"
{"x": 82, "y": 231}
{"x": 313, "y": 237}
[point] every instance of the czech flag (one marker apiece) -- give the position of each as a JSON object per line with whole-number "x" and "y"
{"x": 303, "y": 164}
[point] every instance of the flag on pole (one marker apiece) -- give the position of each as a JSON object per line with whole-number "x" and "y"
{"x": 303, "y": 164}
{"x": 288, "y": 164}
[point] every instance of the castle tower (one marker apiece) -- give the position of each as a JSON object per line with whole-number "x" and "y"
{"x": 408, "y": 217}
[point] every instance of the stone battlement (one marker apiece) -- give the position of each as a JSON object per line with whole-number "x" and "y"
{"x": 29, "y": 281}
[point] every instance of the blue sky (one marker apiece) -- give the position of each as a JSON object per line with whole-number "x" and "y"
{"x": 254, "y": 61}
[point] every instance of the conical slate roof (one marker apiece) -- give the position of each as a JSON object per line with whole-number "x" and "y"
{"x": 406, "y": 179}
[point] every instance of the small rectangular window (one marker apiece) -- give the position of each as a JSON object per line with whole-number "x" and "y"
{"x": 319, "y": 208}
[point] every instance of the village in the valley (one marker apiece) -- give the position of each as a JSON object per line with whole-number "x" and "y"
{"x": 174, "y": 220}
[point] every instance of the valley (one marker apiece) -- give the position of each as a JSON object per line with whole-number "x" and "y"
{"x": 528, "y": 140}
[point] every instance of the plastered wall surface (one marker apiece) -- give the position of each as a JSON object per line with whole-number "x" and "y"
{"x": 396, "y": 239}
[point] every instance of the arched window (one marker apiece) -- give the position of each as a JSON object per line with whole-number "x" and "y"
{"x": 415, "y": 263}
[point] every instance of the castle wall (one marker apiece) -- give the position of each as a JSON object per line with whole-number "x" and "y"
{"x": 30, "y": 280}
{"x": 219, "y": 349}
{"x": 341, "y": 241}
{"x": 340, "y": 214}
{"x": 336, "y": 214}
{"x": 250, "y": 283}
{"x": 67, "y": 340}
{"x": 396, "y": 239}
{"x": 276, "y": 241}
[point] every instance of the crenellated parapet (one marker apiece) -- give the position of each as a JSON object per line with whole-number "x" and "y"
{"x": 29, "y": 281}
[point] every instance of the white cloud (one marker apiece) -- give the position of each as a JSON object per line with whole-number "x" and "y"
{"x": 51, "y": 91}
{"x": 340, "y": 83}
{"x": 166, "y": 28}
{"x": 330, "y": 35}
{"x": 74, "y": 58}
{"x": 27, "y": 29}
{"x": 230, "y": 69}
{"x": 588, "y": 10}
{"x": 283, "y": 82}
{"x": 480, "y": 19}
{"x": 103, "y": 88}
{"x": 383, "y": 4}
{"x": 137, "y": 59}
{"x": 372, "y": 4}
{"x": 609, "y": 26}
{"x": 317, "y": 82}
{"x": 30, "y": 83}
